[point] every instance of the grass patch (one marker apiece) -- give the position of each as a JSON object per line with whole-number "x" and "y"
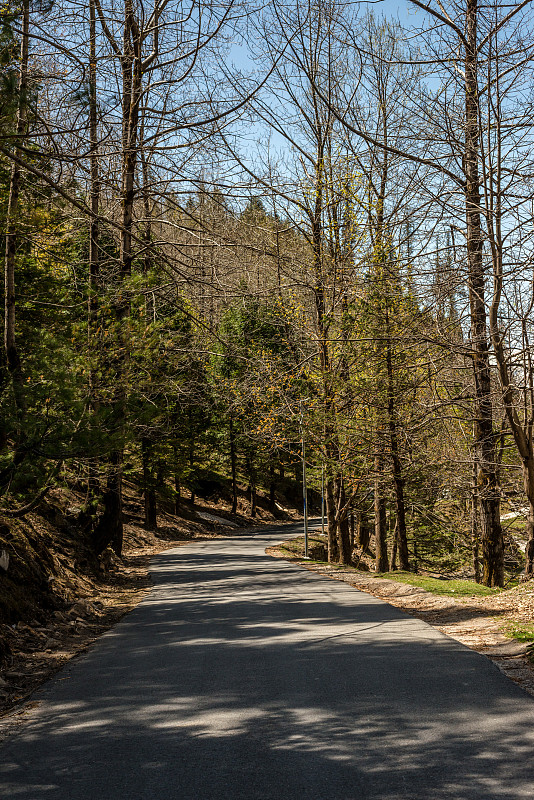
{"x": 521, "y": 631}
{"x": 296, "y": 546}
{"x": 448, "y": 587}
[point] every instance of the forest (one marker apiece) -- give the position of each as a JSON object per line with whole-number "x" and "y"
{"x": 239, "y": 237}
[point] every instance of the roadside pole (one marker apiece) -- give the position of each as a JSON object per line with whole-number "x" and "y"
{"x": 304, "y": 496}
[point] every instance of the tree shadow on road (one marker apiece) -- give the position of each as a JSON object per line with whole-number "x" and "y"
{"x": 252, "y": 688}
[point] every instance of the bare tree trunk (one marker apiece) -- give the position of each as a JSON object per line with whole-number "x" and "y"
{"x": 132, "y": 79}
{"x": 252, "y": 485}
{"x": 12, "y": 355}
{"x": 272, "y": 489}
{"x": 177, "y": 487}
{"x": 333, "y": 551}
{"x": 233, "y": 464}
{"x": 149, "y": 490}
{"x": 150, "y": 305}
{"x": 191, "y": 456}
{"x": 394, "y": 549}
{"x": 529, "y": 549}
{"x": 94, "y": 228}
{"x": 93, "y": 484}
{"x": 109, "y": 531}
{"x": 177, "y": 494}
{"x": 489, "y": 494}
{"x": 381, "y": 554}
{"x": 400, "y": 527}
{"x": 475, "y": 529}
{"x": 363, "y": 532}
{"x": 342, "y": 527}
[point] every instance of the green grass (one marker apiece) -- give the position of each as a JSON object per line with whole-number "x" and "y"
{"x": 448, "y": 587}
{"x": 296, "y": 545}
{"x": 521, "y": 631}
{"x": 517, "y": 524}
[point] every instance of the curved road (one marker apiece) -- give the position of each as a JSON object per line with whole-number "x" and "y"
{"x": 241, "y": 676}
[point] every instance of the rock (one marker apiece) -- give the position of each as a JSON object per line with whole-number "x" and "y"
{"x": 73, "y": 511}
{"x": 108, "y": 560}
{"x": 81, "y": 607}
{"x": 4, "y": 560}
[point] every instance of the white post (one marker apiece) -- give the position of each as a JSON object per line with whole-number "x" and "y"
{"x": 304, "y": 496}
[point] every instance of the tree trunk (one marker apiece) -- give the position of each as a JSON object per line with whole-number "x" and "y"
{"x": 177, "y": 482}
{"x": 177, "y": 494}
{"x": 131, "y": 93}
{"x": 489, "y": 494}
{"x": 381, "y": 545}
{"x": 363, "y": 532}
{"x": 401, "y": 538}
{"x": 233, "y": 464}
{"x": 149, "y": 490}
{"x": 109, "y": 531}
{"x": 94, "y": 230}
{"x": 94, "y": 236}
{"x": 529, "y": 549}
{"x": 342, "y": 527}
{"x": 252, "y": 486}
{"x": 394, "y": 549}
{"x": 191, "y": 456}
{"x": 12, "y": 355}
{"x": 272, "y": 489}
{"x": 475, "y": 530}
{"x": 333, "y": 551}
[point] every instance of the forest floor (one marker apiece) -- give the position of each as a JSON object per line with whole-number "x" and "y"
{"x": 483, "y": 623}
{"x": 95, "y": 599}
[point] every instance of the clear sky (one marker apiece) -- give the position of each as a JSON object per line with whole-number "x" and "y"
{"x": 402, "y": 9}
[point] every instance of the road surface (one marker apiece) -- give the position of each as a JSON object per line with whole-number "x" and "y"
{"x": 241, "y": 677}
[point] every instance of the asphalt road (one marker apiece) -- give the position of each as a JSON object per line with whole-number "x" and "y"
{"x": 242, "y": 676}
